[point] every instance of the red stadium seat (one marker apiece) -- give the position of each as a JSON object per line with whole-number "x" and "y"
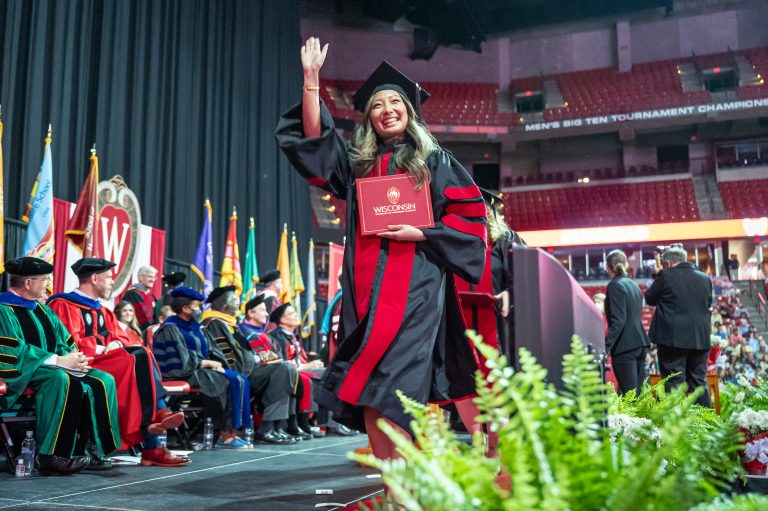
{"x": 613, "y": 204}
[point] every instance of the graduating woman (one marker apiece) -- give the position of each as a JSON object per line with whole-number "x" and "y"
{"x": 401, "y": 326}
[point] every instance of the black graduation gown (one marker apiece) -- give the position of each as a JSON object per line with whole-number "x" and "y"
{"x": 272, "y": 384}
{"x": 401, "y": 327}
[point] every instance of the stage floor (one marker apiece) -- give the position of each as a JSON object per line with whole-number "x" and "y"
{"x": 267, "y": 477}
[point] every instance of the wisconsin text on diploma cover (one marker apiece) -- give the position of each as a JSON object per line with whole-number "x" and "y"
{"x": 394, "y": 208}
{"x": 679, "y": 111}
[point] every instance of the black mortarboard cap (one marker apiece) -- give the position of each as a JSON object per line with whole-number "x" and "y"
{"x": 493, "y": 199}
{"x": 174, "y": 278}
{"x": 269, "y": 277}
{"x": 386, "y": 77}
{"x": 278, "y": 313}
{"x": 219, "y": 291}
{"x": 26, "y": 266}
{"x": 186, "y": 292}
{"x": 90, "y": 265}
{"x": 254, "y": 302}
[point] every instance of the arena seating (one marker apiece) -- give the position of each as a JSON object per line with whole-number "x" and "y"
{"x": 589, "y": 206}
{"x": 745, "y": 199}
{"x": 606, "y": 91}
{"x": 586, "y": 93}
{"x": 450, "y": 103}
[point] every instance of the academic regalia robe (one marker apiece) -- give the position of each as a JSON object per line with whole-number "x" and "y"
{"x": 65, "y": 405}
{"x": 144, "y": 304}
{"x": 288, "y": 348}
{"x": 483, "y": 316}
{"x": 93, "y": 327}
{"x": 179, "y": 347}
{"x": 271, "y": 385}
{"x": 401, "y": 324}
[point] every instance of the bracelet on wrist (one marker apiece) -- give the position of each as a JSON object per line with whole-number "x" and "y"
{"x": 311, "y": 87}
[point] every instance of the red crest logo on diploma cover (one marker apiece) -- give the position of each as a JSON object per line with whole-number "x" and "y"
{"x": 393, "y": 194}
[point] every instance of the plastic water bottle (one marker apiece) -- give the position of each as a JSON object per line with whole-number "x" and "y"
{"x": 249, "y": 436}
{"x": 162, "y": 439}
{"x": 28, "y": 449}
{"x": 20, "y": 472}
{"x": 208, "y": 434}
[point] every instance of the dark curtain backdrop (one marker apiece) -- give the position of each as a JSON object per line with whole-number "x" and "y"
{"x": 181, "y": 97}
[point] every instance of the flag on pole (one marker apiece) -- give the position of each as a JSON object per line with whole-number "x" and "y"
{"x": 309, "y": 317}
{"x": 251, "y": 270}
{"x": 230, "y": 266}
{"x": 203, "y": 265}
{"x": 38, "y": 241}
{"x": 335, "y": 261}
{"x": 284, "y": 266}
{"x": 84, "y": 225}
{"x": 2, "y": 202}
{"x": 297, "y": 282}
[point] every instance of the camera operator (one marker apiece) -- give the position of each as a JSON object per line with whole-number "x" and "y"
{"x": 681, "y": 324}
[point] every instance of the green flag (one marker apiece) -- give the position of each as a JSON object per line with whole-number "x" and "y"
{"x": 251, "y": 270}
{"x": 297, "y": 282}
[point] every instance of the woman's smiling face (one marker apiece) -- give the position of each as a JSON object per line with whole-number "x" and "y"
{"x": 388, "y": 114}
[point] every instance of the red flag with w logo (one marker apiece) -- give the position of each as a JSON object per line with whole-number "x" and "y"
{"x": 84, "y": 225}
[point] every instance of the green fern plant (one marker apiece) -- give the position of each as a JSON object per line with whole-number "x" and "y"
{"x": 555, "y": 447}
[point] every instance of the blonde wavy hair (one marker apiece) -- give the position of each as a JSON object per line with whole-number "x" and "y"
{"x": 497, "y": 227}
{"x": 411, "y": 157}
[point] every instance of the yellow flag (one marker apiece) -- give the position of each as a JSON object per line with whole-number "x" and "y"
{"x": 297, "y": 282}
{"x": 284, "y": 267}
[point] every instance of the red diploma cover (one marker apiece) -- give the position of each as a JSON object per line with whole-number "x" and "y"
{"x": 392, "y": 200}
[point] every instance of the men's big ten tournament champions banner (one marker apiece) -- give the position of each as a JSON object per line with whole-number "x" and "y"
{"x": 123, "y": 239}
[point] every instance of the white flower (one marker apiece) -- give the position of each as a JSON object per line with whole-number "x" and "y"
{"x": 636, "y": 429}
{"x": 751, "y": 420}
{"x": 739, "y": 397}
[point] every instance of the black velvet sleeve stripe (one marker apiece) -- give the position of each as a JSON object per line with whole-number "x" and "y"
{"x": 8, "y": 359}
{"x": 8, "y": 374}
{"x": 45, "y": 323}
{"x": 9, "y": 342}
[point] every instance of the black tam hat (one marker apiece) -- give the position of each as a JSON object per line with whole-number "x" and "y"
{"x": 254, "y": 302}
{"x": 278, "y": 313}
{"x": 174, "y": 278}
{"x": 91, "y": 265}
{"x": 27, "y": 266}
{"x": 269, "y": 277}
{"x": 386, "y": 77}
{"x": 218, "y": 292}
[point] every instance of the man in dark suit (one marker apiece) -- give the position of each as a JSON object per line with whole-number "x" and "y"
{"x": 626, "y": 340}
{"x": 681, "y": 324}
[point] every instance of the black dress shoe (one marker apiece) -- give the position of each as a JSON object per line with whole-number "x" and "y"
{"x": 315, "y": 431}
{"x": 98, "y": 464}
{"x": 300, "y": 433}
{"x": 342, "y": 430}
{"x": 272, "y": 438}
{"x": 285, "y": 434}
{"x": 55, "y": 465}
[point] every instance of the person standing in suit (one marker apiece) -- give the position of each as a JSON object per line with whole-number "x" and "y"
{"x": 681, "y": 324}
{"x": 626, "y": 340}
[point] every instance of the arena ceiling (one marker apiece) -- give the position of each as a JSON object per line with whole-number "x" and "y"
{"x": 467, "y": 23}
